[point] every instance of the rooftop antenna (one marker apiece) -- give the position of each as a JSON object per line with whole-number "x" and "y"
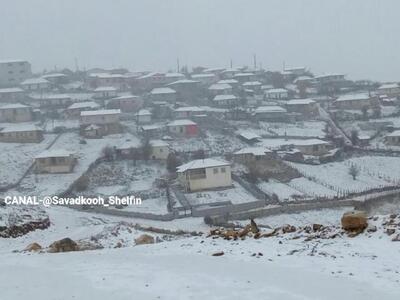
{"x": 255, "y": 61}
{"x": 231, "y": 63}
{"x": 177, "y": 65}
{"x": 284, "y": 66}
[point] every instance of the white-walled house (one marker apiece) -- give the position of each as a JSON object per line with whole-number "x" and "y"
{"x": 159, "y": 149}
{"x": 276, "y": 94}
{"x": 35, "y": 84}
{"x": 101, "y": 122}
{"x": 202, "y": 174}
{"x": 105, "y": 92}
{"x": 15, "y": 113}
{"x": 143, "y": 116}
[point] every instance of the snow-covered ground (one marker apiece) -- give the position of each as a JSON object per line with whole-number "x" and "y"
{"x": 335, "y": 176}
{"x": 183, "y": 268}
{"x": 300, "y": 129}
{"x": 236, "y": 195}
{"x": 52, "y": 184}
{"x": 16, "y": 158}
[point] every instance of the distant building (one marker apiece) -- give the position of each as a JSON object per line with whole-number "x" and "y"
{"x": 356, "y": 101}
{"x": 276, "y": 94}
{"x": 15, "y": 113}
{"x": 306, "y": 107}
{"x": 129, "y": 149}
{"x": 272, "y": 113}
{"x": 252, "y": 154}
{"x": 204, "y": 174}
{"x": 315, "y": 147}
{"x": 74, "y": 110}
{"x": 163, "y": 94}
{"x": 389, "y": 89}
{"x": 105, "y": 92}
{"x": 226, "y": 100}
{"x": 35, "y": 84}
{"x": 183, "y": 127}
{"x": 97, "y": 123}
{"x": 205, "y": 79}
{"x": 143, "y": 116}
{"x": 13, "y": 72}
{"x": 220, "y": 89}
{"x": 159, "y": 149}
{"x": 393, "y": 138}
{"x": 11, "y": 95}
{"x": 55, "y": 161}
{"x": 21, "y": 134}
{"x": 185, "y": 112}
{"x": 126, "y": 103}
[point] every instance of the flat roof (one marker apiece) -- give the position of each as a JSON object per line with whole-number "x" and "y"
{"x": 54, "y": 153}
{"x": 101, "y": 112}
{"x": 201, "y": 164}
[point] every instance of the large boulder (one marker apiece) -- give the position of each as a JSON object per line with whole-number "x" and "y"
{"x": 354, "y": 220}
{"x": 64, "y": 245}
{"x": 144, "y": 239}
{"x": 33, "y": 247}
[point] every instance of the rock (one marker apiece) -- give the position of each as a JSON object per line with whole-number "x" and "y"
{"x": 254, "y": 227}
{"x": 317, "y": 227}
{"x": 85, "y": 245}
{"x": 354, "y": 221}
{"x": 288, "y": 228}
{"x": 390, "y": 231}
{"x": 396, "y": 238}
{"x": 64, "y": 245}
{"x": 220, "y": 253}
{"x": 371, "y": 228}
{"x": 144, "y": 239}
{"x": 33, "y": 247}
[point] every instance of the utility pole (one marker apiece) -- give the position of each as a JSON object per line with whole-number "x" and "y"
{"x": 177, "y": 65}
{"x": 255, "y": 61}
{"x": 231, "y": 63}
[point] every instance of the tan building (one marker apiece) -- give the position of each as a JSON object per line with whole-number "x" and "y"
{"x": 106, "y": 122}
{"x": 55, "y": 161}
{"x": 21, "y": 134}
{"x": 202, "y": 174}
{"x": 14, "y": 113}
{"x": 252, "y": 154}
{"x": 315, "y": 147}
{"x": 389, "y": 89}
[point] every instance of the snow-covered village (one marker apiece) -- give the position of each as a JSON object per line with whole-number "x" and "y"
{"x": 249, "y": 182}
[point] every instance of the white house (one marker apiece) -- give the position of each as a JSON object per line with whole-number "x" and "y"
{"x": 226, "y": 100}
{"x": 205, "y": 79}
{"x": 276, "y": 94}
{"x": 75, "y": 109}
{"x": 101, "y": 122}
{"x": 220, "y": 89}
{"x": 35, "y": 84}
{"x": 143, "y": 116}
{"x": 163, "y": 94}
{"x": 389, "y": 89}
{"x": 270, "y": 113}
{"x": 202, "y": 174}
{"x": 159, "y": 149}
{"x": 105, "y": 92}
{"x": 15, "y": 113}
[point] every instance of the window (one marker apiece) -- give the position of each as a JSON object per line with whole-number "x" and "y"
{"x": 215, "y": 170}
{"x": 223, "y": 170}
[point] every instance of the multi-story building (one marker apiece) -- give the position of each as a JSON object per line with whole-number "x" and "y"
{"x": 13, "y": 72}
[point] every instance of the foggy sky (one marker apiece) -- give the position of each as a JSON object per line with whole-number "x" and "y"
{"x": 357, "y": 37}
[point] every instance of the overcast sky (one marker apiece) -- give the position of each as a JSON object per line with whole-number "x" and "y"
{"x": 357, "y": 37}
